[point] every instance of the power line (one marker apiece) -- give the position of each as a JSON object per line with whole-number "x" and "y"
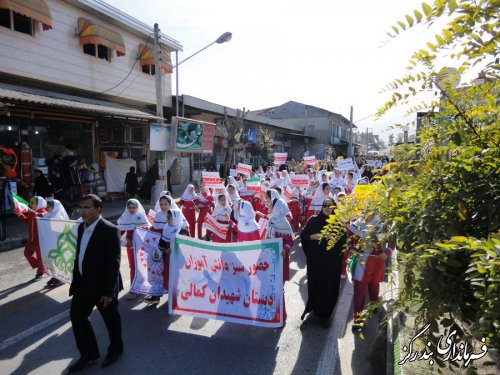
{"x": 131, "y": 69}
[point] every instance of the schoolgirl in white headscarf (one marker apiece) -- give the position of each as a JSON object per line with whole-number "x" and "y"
{"x": 220, "y": 214}
{"x": 322, "y": 193}
{"x": 174, "y": 226}
{"x": 55, "y": 210}
{"x": 247, "y": 228}
{"x": 234, "y": 196}
{"x": 134, "y": 216}
{"x": 160, "y": 219}
{"x": 190, "y": 202}
{"x": 131, "y": 219}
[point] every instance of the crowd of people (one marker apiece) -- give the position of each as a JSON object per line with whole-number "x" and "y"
{"x": 276, "y": 209}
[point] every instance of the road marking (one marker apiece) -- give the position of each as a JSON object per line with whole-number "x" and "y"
{"x": 31, "y": 331}
{"x": 37, "y": 328}
{"x": 329, "y": 356}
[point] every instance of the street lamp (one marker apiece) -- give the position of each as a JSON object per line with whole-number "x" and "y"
{"x": 226, "y": 37}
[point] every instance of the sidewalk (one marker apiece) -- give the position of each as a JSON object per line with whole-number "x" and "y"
{"x": 17, "y": 231}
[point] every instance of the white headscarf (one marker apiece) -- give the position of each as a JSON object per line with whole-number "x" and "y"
{"x": 220, "y": 211}
{"x": 169, "y": 231}
{"x": 278, "y": 222}
{"x": 171, "y": 202}
{"x": 285, "y": 176}
{"x": 235, "y": 196}
{"x": 187, "y": 196}
{"x": 160, "y": 219}
{"x": 246, "y": 218}
{"x": 274, "y": 194}
{"x": 202, "y": 198}
{"x": 58, "y": 212}
{"x": 40, "y": 202}
{"x": 319, "y": 198}
{"x": 128, "y": 221}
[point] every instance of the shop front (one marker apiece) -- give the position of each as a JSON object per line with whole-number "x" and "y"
{"x": 50, "y": 132}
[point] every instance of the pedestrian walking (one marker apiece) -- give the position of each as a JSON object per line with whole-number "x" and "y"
{"x": 134, "y": 216}
{"x": 96, "y": 282}
{"x": 323, "y": 266}
{"x": 37, "y": 208}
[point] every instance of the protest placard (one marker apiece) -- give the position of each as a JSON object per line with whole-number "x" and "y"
{"x": 211, "y": 180}
{"x": 345, "y": 164}
{"x": 299, "y": 180}
{"x": 280, "y": 158}
{"x": 244, "y": 169}
{"x": 310, "y": 160}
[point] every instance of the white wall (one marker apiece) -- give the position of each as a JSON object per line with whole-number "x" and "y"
{"x": 56, "y": 56}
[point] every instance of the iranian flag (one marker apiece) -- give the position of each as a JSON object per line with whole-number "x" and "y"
{"x": 20, "y": 205}
{"x": 253, "y": 184}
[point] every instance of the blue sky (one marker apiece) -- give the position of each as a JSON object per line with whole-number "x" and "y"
{"x": 326, "y": 53}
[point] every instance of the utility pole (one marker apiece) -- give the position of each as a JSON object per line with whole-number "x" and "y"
{"x": 366, "y": 142}
{"x": 159, "y": 98}
{"x": 350, "y": 152}
{"x": 158, "y": 75}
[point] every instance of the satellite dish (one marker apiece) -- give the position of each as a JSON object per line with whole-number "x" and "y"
{"x": 447, "y": 78}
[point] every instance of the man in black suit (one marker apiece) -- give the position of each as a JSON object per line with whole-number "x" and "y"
{"x": 96, "y": 282}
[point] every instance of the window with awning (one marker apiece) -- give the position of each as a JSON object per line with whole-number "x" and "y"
{"x": 91, "y": 33}
{"x": 147, "y": 59}
{"x": 38, "y": 10}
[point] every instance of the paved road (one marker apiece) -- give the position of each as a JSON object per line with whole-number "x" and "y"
{"x": 36, "y": 336}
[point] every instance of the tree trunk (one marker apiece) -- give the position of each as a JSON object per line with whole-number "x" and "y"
{"x": 234, "y": 127}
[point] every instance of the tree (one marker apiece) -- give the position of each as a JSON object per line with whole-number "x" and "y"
{"x": 443, "y": 208}
{"x": 440, "y": 204}
{"x": 234, "y": 127}
{"x": 264, "y": 147}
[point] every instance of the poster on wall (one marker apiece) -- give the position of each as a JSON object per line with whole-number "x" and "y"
{"x": 159, "y": 138}
{"x": 192, "y": 136}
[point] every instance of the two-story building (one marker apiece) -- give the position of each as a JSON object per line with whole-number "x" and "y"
{"x": 327, "y": 133}
{"x": 77, "y": 78}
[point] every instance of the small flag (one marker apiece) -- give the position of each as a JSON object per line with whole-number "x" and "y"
{"x": 20, "y": 205}
{"x": 253, "y": 184}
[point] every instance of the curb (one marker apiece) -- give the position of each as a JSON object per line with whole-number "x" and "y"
{"x": 393, "y": 345}
{"x": 329, "y": 357}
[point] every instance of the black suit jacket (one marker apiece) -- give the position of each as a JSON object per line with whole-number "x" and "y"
{"x": 101, "y": 263}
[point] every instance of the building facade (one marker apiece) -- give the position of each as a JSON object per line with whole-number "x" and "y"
{"x": 327, "y": 132}
{"x": 77, "y": 79}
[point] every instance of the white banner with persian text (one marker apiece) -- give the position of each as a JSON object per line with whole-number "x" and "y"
{"x": 235, "y": 282}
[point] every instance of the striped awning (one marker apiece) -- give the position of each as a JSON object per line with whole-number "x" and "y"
{"x": 146, "y": 57}
{"x": 36, "y": 9}
{"x": 90, "y": 32}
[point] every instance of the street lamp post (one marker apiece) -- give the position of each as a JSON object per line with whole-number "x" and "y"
{"x": 226, "y": 37}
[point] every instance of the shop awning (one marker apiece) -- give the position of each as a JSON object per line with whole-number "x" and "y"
{"x": 72, "y": 103}
{"x": 90, "y": 32}
{"x": 36, "y": 9}
{"x": 146, "y": 57}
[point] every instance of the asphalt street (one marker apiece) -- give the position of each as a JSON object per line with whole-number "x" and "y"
{"x": 36, "y": 335}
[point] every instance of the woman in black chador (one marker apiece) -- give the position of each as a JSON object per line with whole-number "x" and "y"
{"x": 323, "y": 266}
